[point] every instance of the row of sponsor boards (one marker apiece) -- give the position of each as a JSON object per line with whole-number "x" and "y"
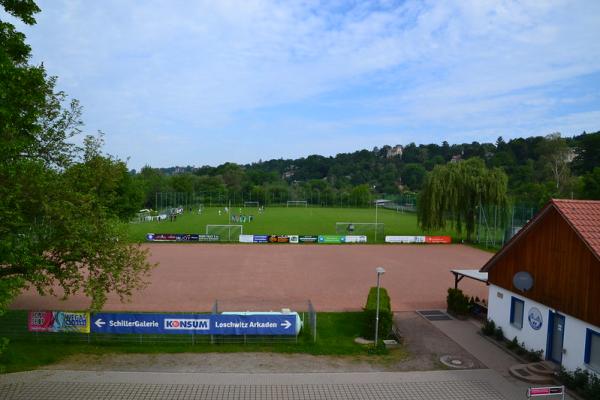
{"x": 154, "y": 323}
{"x": 303, "y": 239}
{"x": 419, "y": 239}
{"x": 195, "y": 237}
{"x": 181, "y": 237}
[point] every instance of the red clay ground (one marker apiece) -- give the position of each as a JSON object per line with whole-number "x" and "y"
{"x": 269, "y": 277}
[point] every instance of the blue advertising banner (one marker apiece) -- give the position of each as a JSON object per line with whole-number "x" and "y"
{"x": 261, "y": 238}
{"x": 198, "y": 324}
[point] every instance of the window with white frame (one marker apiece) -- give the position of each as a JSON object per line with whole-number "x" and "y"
{"x": 592, "y": 349}
{"x": 516, "y": 312}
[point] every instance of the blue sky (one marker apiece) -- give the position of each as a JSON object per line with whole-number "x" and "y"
{"x": 194, "y": 83}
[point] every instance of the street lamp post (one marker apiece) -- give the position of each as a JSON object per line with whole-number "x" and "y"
{"x": 380, "y": 271}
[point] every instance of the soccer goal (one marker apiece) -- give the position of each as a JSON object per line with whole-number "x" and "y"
{"x": 251, "y": 204}
{"x": 360, "y": 228}
{"x": 227, "y": 233}
{"x": 297, "y": 203}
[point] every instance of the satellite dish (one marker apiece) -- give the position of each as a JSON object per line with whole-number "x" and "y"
{"x": 523, "y": 281}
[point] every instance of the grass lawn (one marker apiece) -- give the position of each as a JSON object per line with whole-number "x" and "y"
{"x": 335, "y": 333}
{"x": 287, "y": 221}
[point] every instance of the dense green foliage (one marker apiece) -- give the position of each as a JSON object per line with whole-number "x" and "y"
{"x": 455, "y": 191}
{"x": 537, "y": 168}
{"x": 386, "y": 316}
{"x": 59, "y": 204}
{"x": 457, "y": 302}
{"x": 585, "y": 383}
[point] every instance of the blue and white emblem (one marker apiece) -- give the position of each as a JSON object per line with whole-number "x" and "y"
{"x": 535, "y": 318}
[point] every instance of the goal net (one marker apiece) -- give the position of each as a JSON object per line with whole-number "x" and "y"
{"x": 297, "y": 203}
{"x": 251, "y": 204}
{"x": 227, "y": 233}
{"x": 371, "y": 229}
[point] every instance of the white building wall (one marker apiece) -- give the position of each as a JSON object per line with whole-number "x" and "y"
{"x": 499, "y": 302}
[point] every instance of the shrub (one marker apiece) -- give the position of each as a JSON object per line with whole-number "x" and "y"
{"x": 488, "y": 328}
{"x": 513, "y": 344}
{"x": 457, "y": 302}
{"x": 385, "y": 314}
{"x": 592, "y": 390}
{"x": 583, "y": 382}
{"x": 534, "y": 356}
{"x": 498, "y": 334}
{"x": 580, "y": 378}
{"x": 566, "y": 378}
{"x": 377, "y": 349}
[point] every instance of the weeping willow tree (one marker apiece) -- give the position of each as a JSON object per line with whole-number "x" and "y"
{"x": 453, "y": 192}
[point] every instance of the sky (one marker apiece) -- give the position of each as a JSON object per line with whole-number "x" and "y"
{"x": 205, "y": 82}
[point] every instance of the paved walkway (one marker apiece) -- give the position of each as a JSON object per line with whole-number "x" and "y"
{"x": 466, "y": 334}
{"x": 436, "y": 385}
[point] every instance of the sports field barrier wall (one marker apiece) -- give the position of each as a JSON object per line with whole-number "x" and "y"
{"x": 293, "y": 239}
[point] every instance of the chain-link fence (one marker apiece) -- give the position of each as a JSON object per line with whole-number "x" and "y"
{"x": 281, "y": 197}
{"x": 496, "y": 225}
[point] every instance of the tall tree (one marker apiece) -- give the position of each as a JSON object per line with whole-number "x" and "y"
{"x": 53, "y": 229}
{"x": 554, "y": 158}
{"x": 453, "y": 192}
{"x": 591, "y": 185}
{"x": 587, "y": 152}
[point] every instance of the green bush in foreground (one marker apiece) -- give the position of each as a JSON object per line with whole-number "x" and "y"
{"x": 457, "y": 302}
{"x": 385, "y": 314}
{"x": 583, "y": 382}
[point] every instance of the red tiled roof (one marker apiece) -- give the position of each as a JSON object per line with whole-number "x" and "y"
{"x": 584, "y": 217}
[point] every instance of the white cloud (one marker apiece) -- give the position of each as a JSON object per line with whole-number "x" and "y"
{"x": 190, "y": 70}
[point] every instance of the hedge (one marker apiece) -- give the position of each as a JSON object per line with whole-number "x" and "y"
{"x": 457, "y": 302}
{"x": 385, "y": 314}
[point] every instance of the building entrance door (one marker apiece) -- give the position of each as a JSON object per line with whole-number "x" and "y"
{"x": 556, "y": 337}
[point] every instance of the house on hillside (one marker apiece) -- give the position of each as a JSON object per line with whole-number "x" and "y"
{"x": 394, "y": 151}
{"x": 544, "y": 284}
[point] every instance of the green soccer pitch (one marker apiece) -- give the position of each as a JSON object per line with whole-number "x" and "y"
{"x": 286, "y": 221}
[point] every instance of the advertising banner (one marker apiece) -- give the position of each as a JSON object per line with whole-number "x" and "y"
{"x": 181, "y": 237}
{"x": 198, "y": 324}
{"x": 58, "y": 321}
{"x": 438, "y": 239}
{"x": 161, "y": 237}
{"x": 261, "y": 238}
{"x": 308, "y": 239}
{"x": 186, "y": 237}
{"x": 331, "y": 239}
{"x": 279, "y": 239}
{"x": 355, "y": 239}
{"x": 208, "y": 238}
{"x": 293, "y": 238}
{"x": 246, "y": 238}
{"x": 405, "y": 239}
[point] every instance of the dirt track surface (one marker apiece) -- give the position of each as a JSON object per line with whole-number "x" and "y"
{"x": 269, "y": 277}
